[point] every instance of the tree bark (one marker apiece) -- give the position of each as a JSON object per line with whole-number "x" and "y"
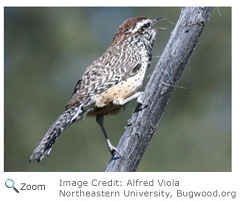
{"x": 158, "y": 91}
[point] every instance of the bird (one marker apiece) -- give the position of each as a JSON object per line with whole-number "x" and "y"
{"x": 108, "y": 83}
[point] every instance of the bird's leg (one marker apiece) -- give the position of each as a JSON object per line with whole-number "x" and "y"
{"x": 112, "y": 149}
{"x": 137, "y": 95}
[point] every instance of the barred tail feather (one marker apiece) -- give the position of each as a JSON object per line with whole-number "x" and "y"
{"x": 44, "y": 146}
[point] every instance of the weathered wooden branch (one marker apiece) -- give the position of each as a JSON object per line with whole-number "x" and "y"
{"x": 158, "y": 91}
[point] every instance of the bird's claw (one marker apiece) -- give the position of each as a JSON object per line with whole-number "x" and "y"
{"x": 113, "y": 150}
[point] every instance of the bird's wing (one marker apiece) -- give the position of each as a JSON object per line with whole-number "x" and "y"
{"x": 104, "y": 73}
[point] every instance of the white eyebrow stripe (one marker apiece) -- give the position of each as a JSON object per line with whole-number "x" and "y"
{"x": 139, "y": 24}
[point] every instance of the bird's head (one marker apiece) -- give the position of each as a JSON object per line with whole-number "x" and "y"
{"x": 137, "y": 26}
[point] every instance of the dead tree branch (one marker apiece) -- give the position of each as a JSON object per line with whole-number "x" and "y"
{"x": 158, "y": 91}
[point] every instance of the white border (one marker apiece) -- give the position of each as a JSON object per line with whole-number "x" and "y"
{"x": 210, "y": 181}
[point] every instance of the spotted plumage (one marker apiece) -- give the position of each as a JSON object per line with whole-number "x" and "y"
{"x": 109, "y": 82}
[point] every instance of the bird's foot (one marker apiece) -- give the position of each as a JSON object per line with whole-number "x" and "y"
{"x": 112, "y": 149}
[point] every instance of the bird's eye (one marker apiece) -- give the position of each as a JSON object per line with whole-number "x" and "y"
{"x": 146, "y": 26}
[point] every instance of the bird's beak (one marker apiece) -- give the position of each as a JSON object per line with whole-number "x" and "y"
{"x": 158, "y": 19}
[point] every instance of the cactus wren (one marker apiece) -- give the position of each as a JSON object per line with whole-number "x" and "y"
{"x": 109, "y": 82}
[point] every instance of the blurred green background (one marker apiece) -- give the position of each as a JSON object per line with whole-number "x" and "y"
{"x": 47, "y": 49}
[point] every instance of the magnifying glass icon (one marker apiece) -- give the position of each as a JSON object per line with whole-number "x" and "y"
{"x": 9, "y": 183}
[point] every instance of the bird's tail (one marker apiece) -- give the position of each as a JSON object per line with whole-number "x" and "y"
{"x": 44, "y": 146}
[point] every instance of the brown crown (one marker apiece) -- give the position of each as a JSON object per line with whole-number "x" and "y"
{"x": 129, "y": 23}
